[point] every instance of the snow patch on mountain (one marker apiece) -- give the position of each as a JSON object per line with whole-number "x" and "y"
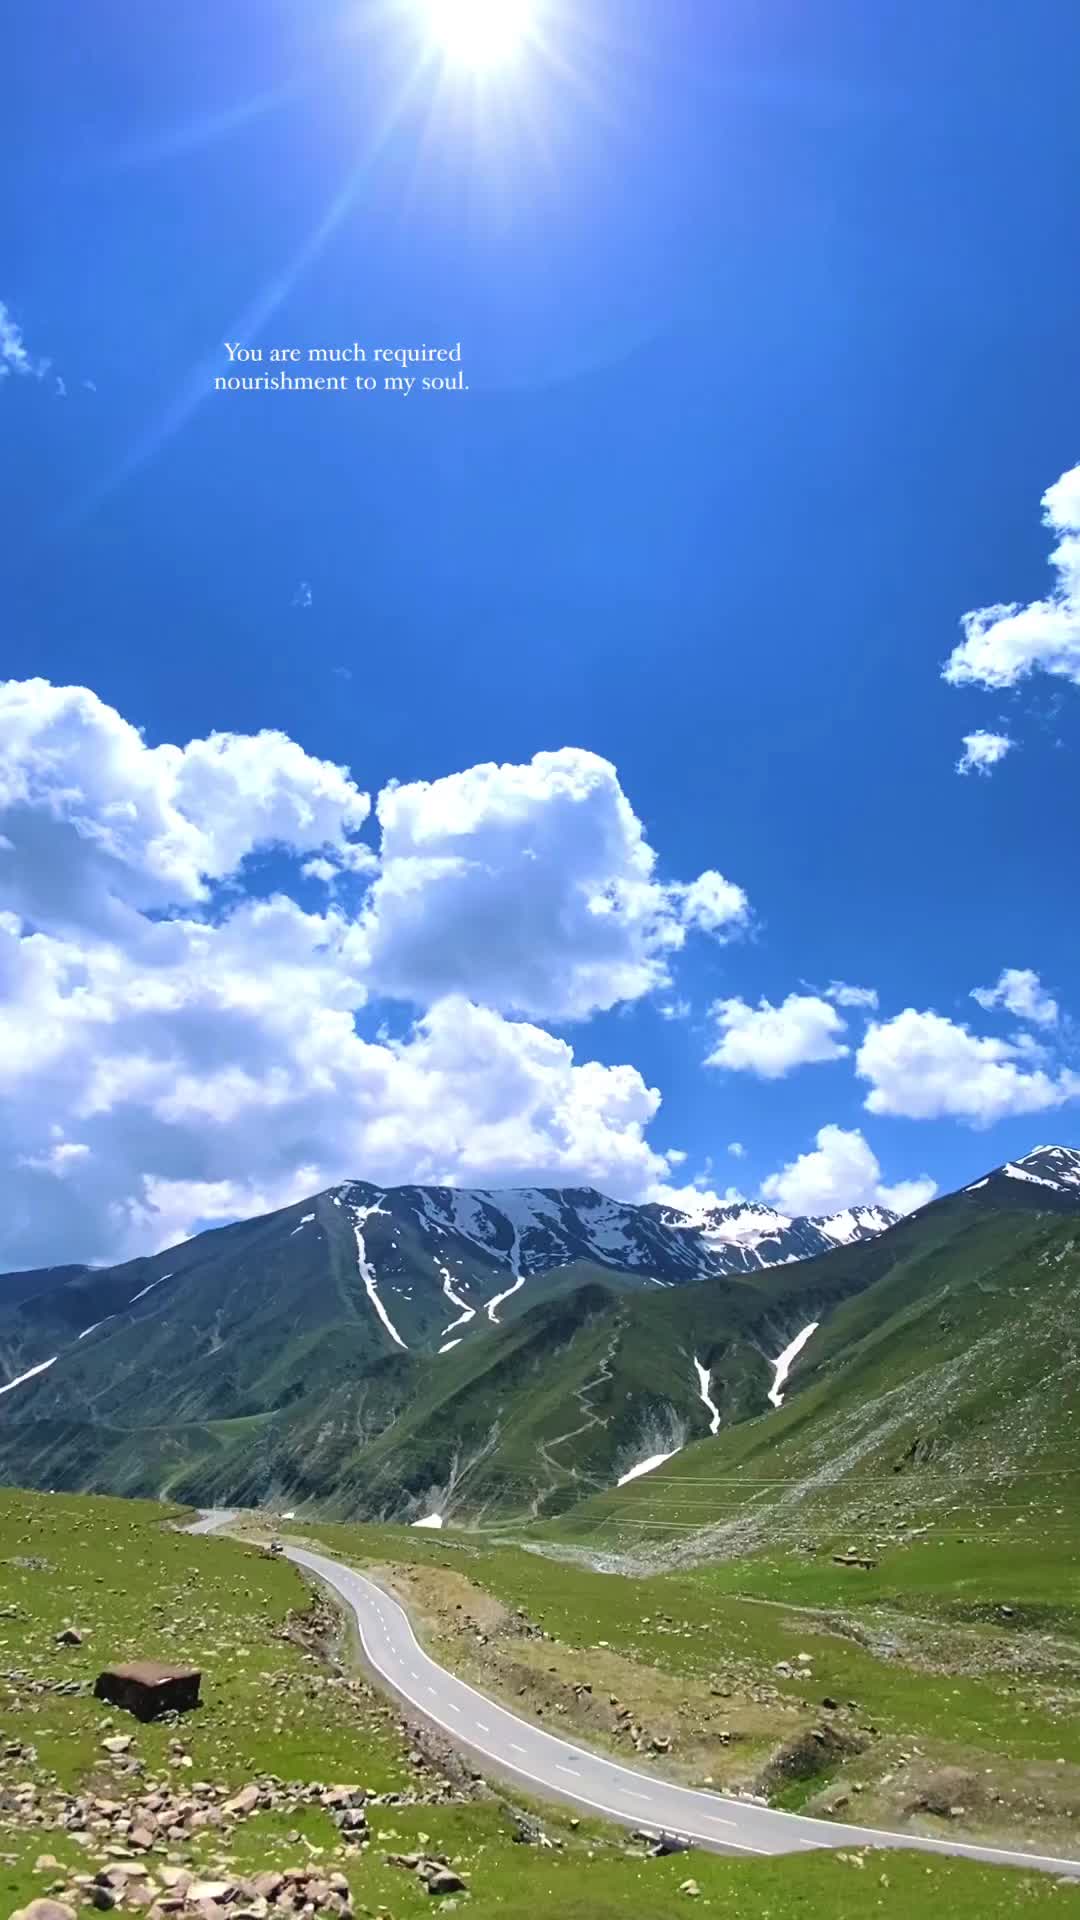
{"x": 705, "y": 1395}
{"x": 467, "y": 1313}
{"x": 360, "y": 1214}
{"x": 646, "y": 1466}
{"x": 143, "y": 1291}
{"x": 784, "y": 1362}
{"x": 41, "y": 1367}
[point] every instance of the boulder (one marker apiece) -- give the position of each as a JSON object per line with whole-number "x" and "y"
{"x": 148, "y": 1689}
{"x": 445, "y": 1880}
{"x": 45, "y": 1910}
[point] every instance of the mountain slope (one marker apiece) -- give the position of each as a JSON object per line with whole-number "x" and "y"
{"x": 943, "y": 1395}
{"x": 418, "y": 1351}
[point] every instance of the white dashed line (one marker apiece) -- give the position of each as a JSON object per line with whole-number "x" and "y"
{"x": 559, "y": 1768}
{"x": 480, "y": 1727}
{"x": 516, "y": 1749}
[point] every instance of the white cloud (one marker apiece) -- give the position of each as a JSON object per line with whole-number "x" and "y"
{"x": 1020, "y": 991}
{"x": 100, "y": 823}
{"x": 845, "y": 996}
{"x": 923, "y": 1066}
{"x": 1002, "y": 644}
{"x": 175, "y": 1051}
{"x": 711, "y": 904}
{"x": 13, "y": 355}
{"x": 771, "y": 1041}
{"x": 736, "y": 1149}
{"x": 982, "y": 751}
{"x": 532, "y": 888}
{"x": 842, "y": 1171}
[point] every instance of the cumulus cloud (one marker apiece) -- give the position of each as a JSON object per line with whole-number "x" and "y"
{"x": 1020, "y": 991}
{"x": 100, "y": 824}
{"x": 736, "y": 1149}
{"x": 924, "y": 1066}
{"x": 845, "y": 996}
{"x": 176, "y": 1050}
{"x": 711, "y": 903}
{"x": 842, "y": 1171}
{"x": 531, "y": 887}
{"x": 14, "y": 358}
{"x": 982, "y": 751}
{"x": 1003, "y": 644}
{"x": 771, "y": 1041}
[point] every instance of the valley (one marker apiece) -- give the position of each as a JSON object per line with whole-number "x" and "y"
{"x": 804, "y": 1534}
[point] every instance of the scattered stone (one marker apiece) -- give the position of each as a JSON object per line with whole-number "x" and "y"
{"x": 690, "y": 1887}
{"x": 45, "y": 1910}
{"x": 69, "y": 1637}
{"x": 117, "y": 1742}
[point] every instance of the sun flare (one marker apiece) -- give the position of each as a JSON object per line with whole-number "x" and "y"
{"x": 479, "y": 34}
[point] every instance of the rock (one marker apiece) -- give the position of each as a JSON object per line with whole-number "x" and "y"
{"x": 200, "y": 1890}
{"x": 117, "y": 1743}
{"x": 148, "y": 1689}
{"x": 243, "y": 1802}
{"x": 69, "y": 1637}
{"x": 268, "y": 1885}
{"x": 140, "y": 1837}
{"x": 690, "y": 1887}
{"x": 445, "y": 1880}
{"x": 102, "y": 1897}
{"x": 45, "y": 1910}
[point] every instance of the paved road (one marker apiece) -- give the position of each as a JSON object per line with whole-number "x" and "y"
{"x": 552, "y": 1766}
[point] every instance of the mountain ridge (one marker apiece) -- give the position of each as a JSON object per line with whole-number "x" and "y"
{"x": 400, "y": 1350}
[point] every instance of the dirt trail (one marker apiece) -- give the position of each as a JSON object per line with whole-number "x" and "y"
{"x": 557, "y": 1472}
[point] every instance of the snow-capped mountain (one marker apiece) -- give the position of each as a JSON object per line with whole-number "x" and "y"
{"x": 1055, "y": 1169}
{"x": 765, "y": 1238}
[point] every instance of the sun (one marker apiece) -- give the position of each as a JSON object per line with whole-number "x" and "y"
{"x": 479, "y": 35}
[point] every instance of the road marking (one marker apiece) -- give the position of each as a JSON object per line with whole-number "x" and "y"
{"x": 453, "y": 1706}
{"x": 412, "y": 1675}
{"x": 431, "y": 1690}
{"x": 516, "y": 1749}
{"x": 631, "y": 1795}
{"x": 559, "y": 1768}
{"x": 480, "y": 1727}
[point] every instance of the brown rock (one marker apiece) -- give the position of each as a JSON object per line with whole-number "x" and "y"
{"x": 243, "y": 1802}
{"x": 45, "y": 1910}
{"x": 147, "y": 1689}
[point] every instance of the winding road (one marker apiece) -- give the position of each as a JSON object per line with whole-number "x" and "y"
{"x": 549, "y": 1765}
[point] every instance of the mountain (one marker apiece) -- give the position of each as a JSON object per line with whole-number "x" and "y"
{"x": 937, "y": 1405}
{"x": 414, "y": 1350}
{"x": 419, "y": 1264}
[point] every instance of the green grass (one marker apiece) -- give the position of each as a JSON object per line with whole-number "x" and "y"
{"x": 115, "y": 1570}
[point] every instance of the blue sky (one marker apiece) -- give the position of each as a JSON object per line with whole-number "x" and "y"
{"x": 769, "y": 321}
